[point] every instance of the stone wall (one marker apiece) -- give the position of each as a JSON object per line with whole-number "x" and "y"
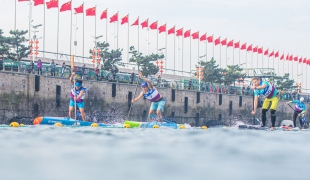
{"x": 19, "y": 97}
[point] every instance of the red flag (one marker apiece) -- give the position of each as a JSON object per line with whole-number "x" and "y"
{"x": 230, "y": 43}
{"x": 224, "y": 42}
{"x": 79, "y": 9}
{"x": 266, "y": 52}
{"x": 195, "y": 35}
{"x": 260, "y": 50}
{"x": 136, "y": 23}
{"x": 291, "y": 57}
{"x": 91, "y": 11}
{"x": 237, "y": 44}
{"x": 124, "y": 19}
{"x": 277, "y": 54}
{"x": 38, "y": 2}
{"x": 187, "y": 33}
{"x": 308, "y": 62}
{"x": 162, "y": 28}
{"x": 287, "y": 57}
{"x": 114, "y": 18}
{"x": 103, "y": 15}
{"x": 243, "y": 46}
{"x": 171, "y": 31}
{"x": 249, "y": 48}
{"x": 300, "y": 60}
{"x": 255, "y": 49}
{"x": 52, "y": 4}
{"x": 22, "y": 0}
{"x": 217, "y": 41}
{"x": 296, "y": 58}
{"x": 145, "y": 23}
{"x": 203, "y": 37}
{"x": 305, "y": 60}
{"x": 271, "y": 54}
{"x": 66, "y": 7}
{"x": 282, "y": 57}
{"x": 153, "y": 25}
{"x": 210, "y": 39}
{"x": 179, "y": 32}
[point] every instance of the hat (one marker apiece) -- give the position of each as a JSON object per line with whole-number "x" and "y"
{"x": 144, "y": 84}
{"x": 302, "y": 99}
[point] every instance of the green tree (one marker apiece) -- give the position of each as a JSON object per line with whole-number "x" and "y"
{"x": 145, "y": 63}
{"x": 233, "y": 72}
{"x": 212, "y": 72}
{"x": 17, "y": 43}
{"x": 283, "y": 82}
{"x": 4, "y": 47}
{"x": 109, "y": 58}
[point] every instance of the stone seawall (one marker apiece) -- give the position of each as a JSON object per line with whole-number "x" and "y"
{"x": 29, "y": 95}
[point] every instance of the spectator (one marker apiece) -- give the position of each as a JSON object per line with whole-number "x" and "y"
{"x": 308, "y": 98}
{"x": 53, "y": 67}
{"x": 39, "y": 64}
{"x": 158, "y": 79}
{"x": 248, "y": 90}
{"x": 132, "y": 76}
{"x": 97, "y": 72}
{"x": 63, "y": 68}
{"x": 190, "y": 84}
{"x": 243, "y": 89}
{"x": 114, "y": 73}
{"x": 31, "y": 67}
{"x": 83, "y": 70}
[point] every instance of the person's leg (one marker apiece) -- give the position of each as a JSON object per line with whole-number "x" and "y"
{"x": 151, "y": 111}
{"x": 273, "y": 109}
{"x": 264, "y": 111}
{"x": 71, "y": 109}
{"x": 295, "y": 117}
{"x": 160, "y": 109}
{"x": 80, "y": 105}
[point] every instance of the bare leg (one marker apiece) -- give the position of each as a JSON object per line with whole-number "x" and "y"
{"x": 158, "y": 112}
{"x": 150, "y": 113}
{"x": 71, "y": 110}
{"x": 82, "y": 113}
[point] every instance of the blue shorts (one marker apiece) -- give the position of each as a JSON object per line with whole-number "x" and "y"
{"x": 78, "y": 104}
{"x": 160, "y": 105}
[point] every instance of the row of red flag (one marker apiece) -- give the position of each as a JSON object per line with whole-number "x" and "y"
{"x": 145, "y": 24}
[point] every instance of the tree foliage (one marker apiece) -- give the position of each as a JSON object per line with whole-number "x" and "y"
{"x": 17, "y": 42}
{"x": 232, "y": 73}
{"x": 145, "y": 63}
{"x": 4, "y": 46}
{"x": 109, "y": 58}
{"x": 283, "y": 82}
{"x": 212, "y": 73}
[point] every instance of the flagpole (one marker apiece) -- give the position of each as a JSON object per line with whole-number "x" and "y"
{"x": 128, "y": 42}
{"x": 262, "y": 58}
{"x": 117, "y": 31}
{"x": 252, "y": 64}
{"x": 226, "y": 56}
{"x": 190, "y": 54}
{"x": 178, "y": 54}
{"x": 182, "y": 51}
{"x": 83, "y": 34}
{"x": 95, "y": 27}
{"x": 106, "y": 27}
{"x": 221, "y": 55}
{"x": 138, "y": 36}
{"x": 71, "y": 29}
{"x": 15, "y": 17}
{"x": 198, "y": 49}
{"x": 239, "y": 53}
{"x": 257, "y": 58}
{"x": 206, "y": 48}
{"x": 30, "y": 19}
{"x": 213, "y": 45}
{"x": 174, "y": 52}
{"x": 58, "y": 31}
{"x": 166, "y": 55}
{"x": 157, "y": 37}
{"x": 147, "y": 42}
{"x": 44, "y": 29}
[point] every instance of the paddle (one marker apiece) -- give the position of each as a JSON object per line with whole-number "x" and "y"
{"x": 138, "y": 79}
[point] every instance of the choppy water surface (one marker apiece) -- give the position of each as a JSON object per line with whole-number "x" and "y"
{"x": 45, "y": 152}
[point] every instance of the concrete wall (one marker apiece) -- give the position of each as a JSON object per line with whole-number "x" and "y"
{"x": 18, "y": 97}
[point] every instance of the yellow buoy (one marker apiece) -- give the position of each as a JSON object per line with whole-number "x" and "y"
{"x": 204, "y": 127}
{"x": 155, "y": 126}
{"x": 94, "y": 125}
{"x": 21, "y": 125}
{"x": 14, "y": 124}
{"x": 126, "y": 125}
{"x": 182, "y": 127}
{"x": 224, "y": 127}
{"x": 58, "y": 124}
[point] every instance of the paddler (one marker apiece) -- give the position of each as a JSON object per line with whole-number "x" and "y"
{"x": 78, "y": 93}
{"x": 299, "y": 110}
{"x": 151, "y": 93}
{"x": 270, "y": 93}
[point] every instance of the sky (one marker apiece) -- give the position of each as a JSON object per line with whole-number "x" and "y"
{"x": 279, "y": 25}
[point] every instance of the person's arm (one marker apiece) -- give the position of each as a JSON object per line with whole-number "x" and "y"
{"x": 80, "y": 95}
{"x": 146, "y": 80}
{"x": 261, "y": 87}
{"x": 139, "y": 97}
{"x": 71, "y": 78}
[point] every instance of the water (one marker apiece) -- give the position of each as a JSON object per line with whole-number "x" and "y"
{"x": 49, "y": 153}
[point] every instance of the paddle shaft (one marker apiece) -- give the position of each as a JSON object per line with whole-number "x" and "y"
{"x": 133, "y": 96}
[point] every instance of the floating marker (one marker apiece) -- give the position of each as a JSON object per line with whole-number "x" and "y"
{"x": 182, "y": 127}
{"x": 94, "y": 125}
{"x": 204, "y": 127}
{"x": 156, "y": 126}
{"x": 58, "y": 124}
{"x": 14, "y": 124}
{"x": 126, "y": 125}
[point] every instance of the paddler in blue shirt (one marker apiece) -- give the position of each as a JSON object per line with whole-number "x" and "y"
{"x": 150, "y": 92}
{"x": 299, "y": 110}
{"x": 78, "y": 93}
{"x": 270, "y": 93}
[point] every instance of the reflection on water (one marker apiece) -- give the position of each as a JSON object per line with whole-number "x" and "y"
{"x": 45, "y": 152}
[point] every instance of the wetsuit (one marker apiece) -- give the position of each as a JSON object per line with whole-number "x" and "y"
{"x": 270, "y": 93}
{"x": 300, "y": 108}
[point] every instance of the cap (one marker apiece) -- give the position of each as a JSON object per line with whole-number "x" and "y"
{"x": 302, "y": 99}
{"x": 78, "y": 84}
{"x": 144, "y": 84}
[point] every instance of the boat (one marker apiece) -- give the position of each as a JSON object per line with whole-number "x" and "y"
{"x": 154, "y": 124}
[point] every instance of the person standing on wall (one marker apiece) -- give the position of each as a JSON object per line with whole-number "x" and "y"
{"x": 39, "y": 64}
{"x": 150, "y": 92}
{"x": 63, "y": 69}
{"x": 270, "y": 92}
{"x": 78, "y": 93}
{"x": 53, "y": 67}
